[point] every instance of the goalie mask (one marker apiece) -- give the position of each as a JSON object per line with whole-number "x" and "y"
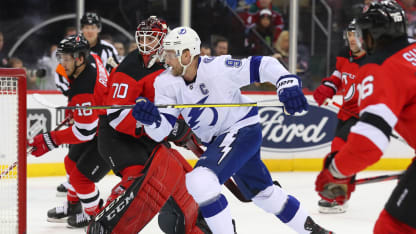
{"x": 353, "y": 37}
{"x": 149, "y": 37}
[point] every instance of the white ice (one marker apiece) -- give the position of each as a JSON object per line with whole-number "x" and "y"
{"x": 364, "y": 207}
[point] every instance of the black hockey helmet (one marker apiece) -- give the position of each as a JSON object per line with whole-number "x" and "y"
{"x": 90, "y": 18}
{"x": 383, "y": 19}
{"x": 75, "y": 44}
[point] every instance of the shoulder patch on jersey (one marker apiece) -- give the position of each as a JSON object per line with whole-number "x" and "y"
{"x": 208, "y": 59}
{"x": 233, "y": 63}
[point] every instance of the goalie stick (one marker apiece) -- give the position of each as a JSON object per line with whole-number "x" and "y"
{"x": 29, "y": 150}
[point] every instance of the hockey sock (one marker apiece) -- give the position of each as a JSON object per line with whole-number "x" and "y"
{"x": 218, "y": 216}
{"x": 72, "y": 197}
{"x": 294, "y": 215}
{"x": 337, "y": 144}
{"x": 86, "y": 191}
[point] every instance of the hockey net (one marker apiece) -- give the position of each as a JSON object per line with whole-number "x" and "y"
{"x": 13, "y": 151}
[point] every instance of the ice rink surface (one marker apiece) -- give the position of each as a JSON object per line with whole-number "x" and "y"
{"x": 364, "y": 206}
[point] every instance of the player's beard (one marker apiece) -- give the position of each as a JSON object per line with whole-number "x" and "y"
{"x": 177, "y": 71}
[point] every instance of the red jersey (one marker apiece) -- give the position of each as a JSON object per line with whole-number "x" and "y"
{"x": 130, "y": 80}
{"x": 387, "y": 101}
{"x": 345, "y": 80}
{"x": 88, "y": 89}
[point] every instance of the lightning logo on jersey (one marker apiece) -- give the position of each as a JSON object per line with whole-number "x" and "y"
{"x": 195, "y": 113}
{"x": 226, "y": 144}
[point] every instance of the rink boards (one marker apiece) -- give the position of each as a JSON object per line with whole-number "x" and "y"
{"x": 290, "y": 143}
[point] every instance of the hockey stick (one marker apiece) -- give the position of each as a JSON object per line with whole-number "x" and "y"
{"x": 270, "y": 102}
{"x": 329, "y": 101}
{"x": 30, "y": 149}
{"x": 198, "y": 151}
{"x": 381, "y": 178}
{"x": 276, "y": 103}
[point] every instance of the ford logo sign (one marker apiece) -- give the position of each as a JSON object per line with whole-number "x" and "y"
{"x": 282, "y": 133}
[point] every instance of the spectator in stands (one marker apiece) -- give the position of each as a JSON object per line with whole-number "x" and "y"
{"x": 132, "y": 46}
{"x": 107, "y": 37}
{"x": 69, "y": 31}
{"x": 15, "y": 62}
{"x": 120, "y": 50}
{"x": 266, "y": 30}
{"x": 253, "y": 15}
{"x": 302, "y": 67}
{"x": 221, "y": 46}
{"x": 3, "y": 56}
{"x": 45, "y": 69}
{"x": 205, "y": 50}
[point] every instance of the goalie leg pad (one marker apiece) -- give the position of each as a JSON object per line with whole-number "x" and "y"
{"x": 130, "y": 212}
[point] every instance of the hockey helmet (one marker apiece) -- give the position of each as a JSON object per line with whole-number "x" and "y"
{"x": 90, "y": 18}
{"x": 75, "y": 45}
{"x": 355, "y": 30}
{"x": 182, "y": 38}
{"x": 383, "y": 19}
{"x": 150, "y": 34}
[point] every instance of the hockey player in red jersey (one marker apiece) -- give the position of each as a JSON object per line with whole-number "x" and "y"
{"x": 83, "y": 164}
{"x": 343, "y": 79}
{"x": 141, "y": 162}
{"x": 386, "y": 102}
{"x": 91, "y": 27}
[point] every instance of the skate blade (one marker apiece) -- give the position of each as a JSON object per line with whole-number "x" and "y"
{"x": 60, "y": 194}
{"x": 332, "y": 210}
{"x": 61, "y": 220}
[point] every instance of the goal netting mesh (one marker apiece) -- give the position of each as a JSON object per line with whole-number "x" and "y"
{"x": 12, "y": 151}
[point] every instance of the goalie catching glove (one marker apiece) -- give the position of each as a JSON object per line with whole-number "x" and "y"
{"x": 331, "y": 185}
{"x": 289, "y": 90}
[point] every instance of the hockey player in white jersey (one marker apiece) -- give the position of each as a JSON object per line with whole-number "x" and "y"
{"x": 232, "y": 136}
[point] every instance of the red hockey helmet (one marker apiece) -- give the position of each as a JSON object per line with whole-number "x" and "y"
{"x": 150, "y": 34}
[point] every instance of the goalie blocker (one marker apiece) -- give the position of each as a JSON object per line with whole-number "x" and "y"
{"x": 163, "y": 177}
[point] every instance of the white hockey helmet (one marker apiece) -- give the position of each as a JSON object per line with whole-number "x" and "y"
{"x": 180, "y": 39}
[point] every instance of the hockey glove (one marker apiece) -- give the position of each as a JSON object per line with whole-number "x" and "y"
{"x": 146, "y": 112}
{"x": 331, "y": 188}
{"x": 290, "y": 93}
{"x": 183, "y": 136}
{"x": 43, "y": 143}
{"x": 326, "y": 90}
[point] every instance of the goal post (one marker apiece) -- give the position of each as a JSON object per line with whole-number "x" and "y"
{"x": 13, "y": 150}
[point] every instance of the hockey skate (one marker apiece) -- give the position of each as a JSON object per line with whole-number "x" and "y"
{"x": 60, "y": 213}
{"x": 327, "y": 207}
{"x": 79, "y": 220}
{"x": 310, "y": 225}
{"x": 62, "y": 189}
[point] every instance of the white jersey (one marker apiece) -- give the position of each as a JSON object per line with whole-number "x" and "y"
{"x": 218, "y": 80}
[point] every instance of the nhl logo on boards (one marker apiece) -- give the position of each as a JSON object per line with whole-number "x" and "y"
{"x": 38, "y": 121}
